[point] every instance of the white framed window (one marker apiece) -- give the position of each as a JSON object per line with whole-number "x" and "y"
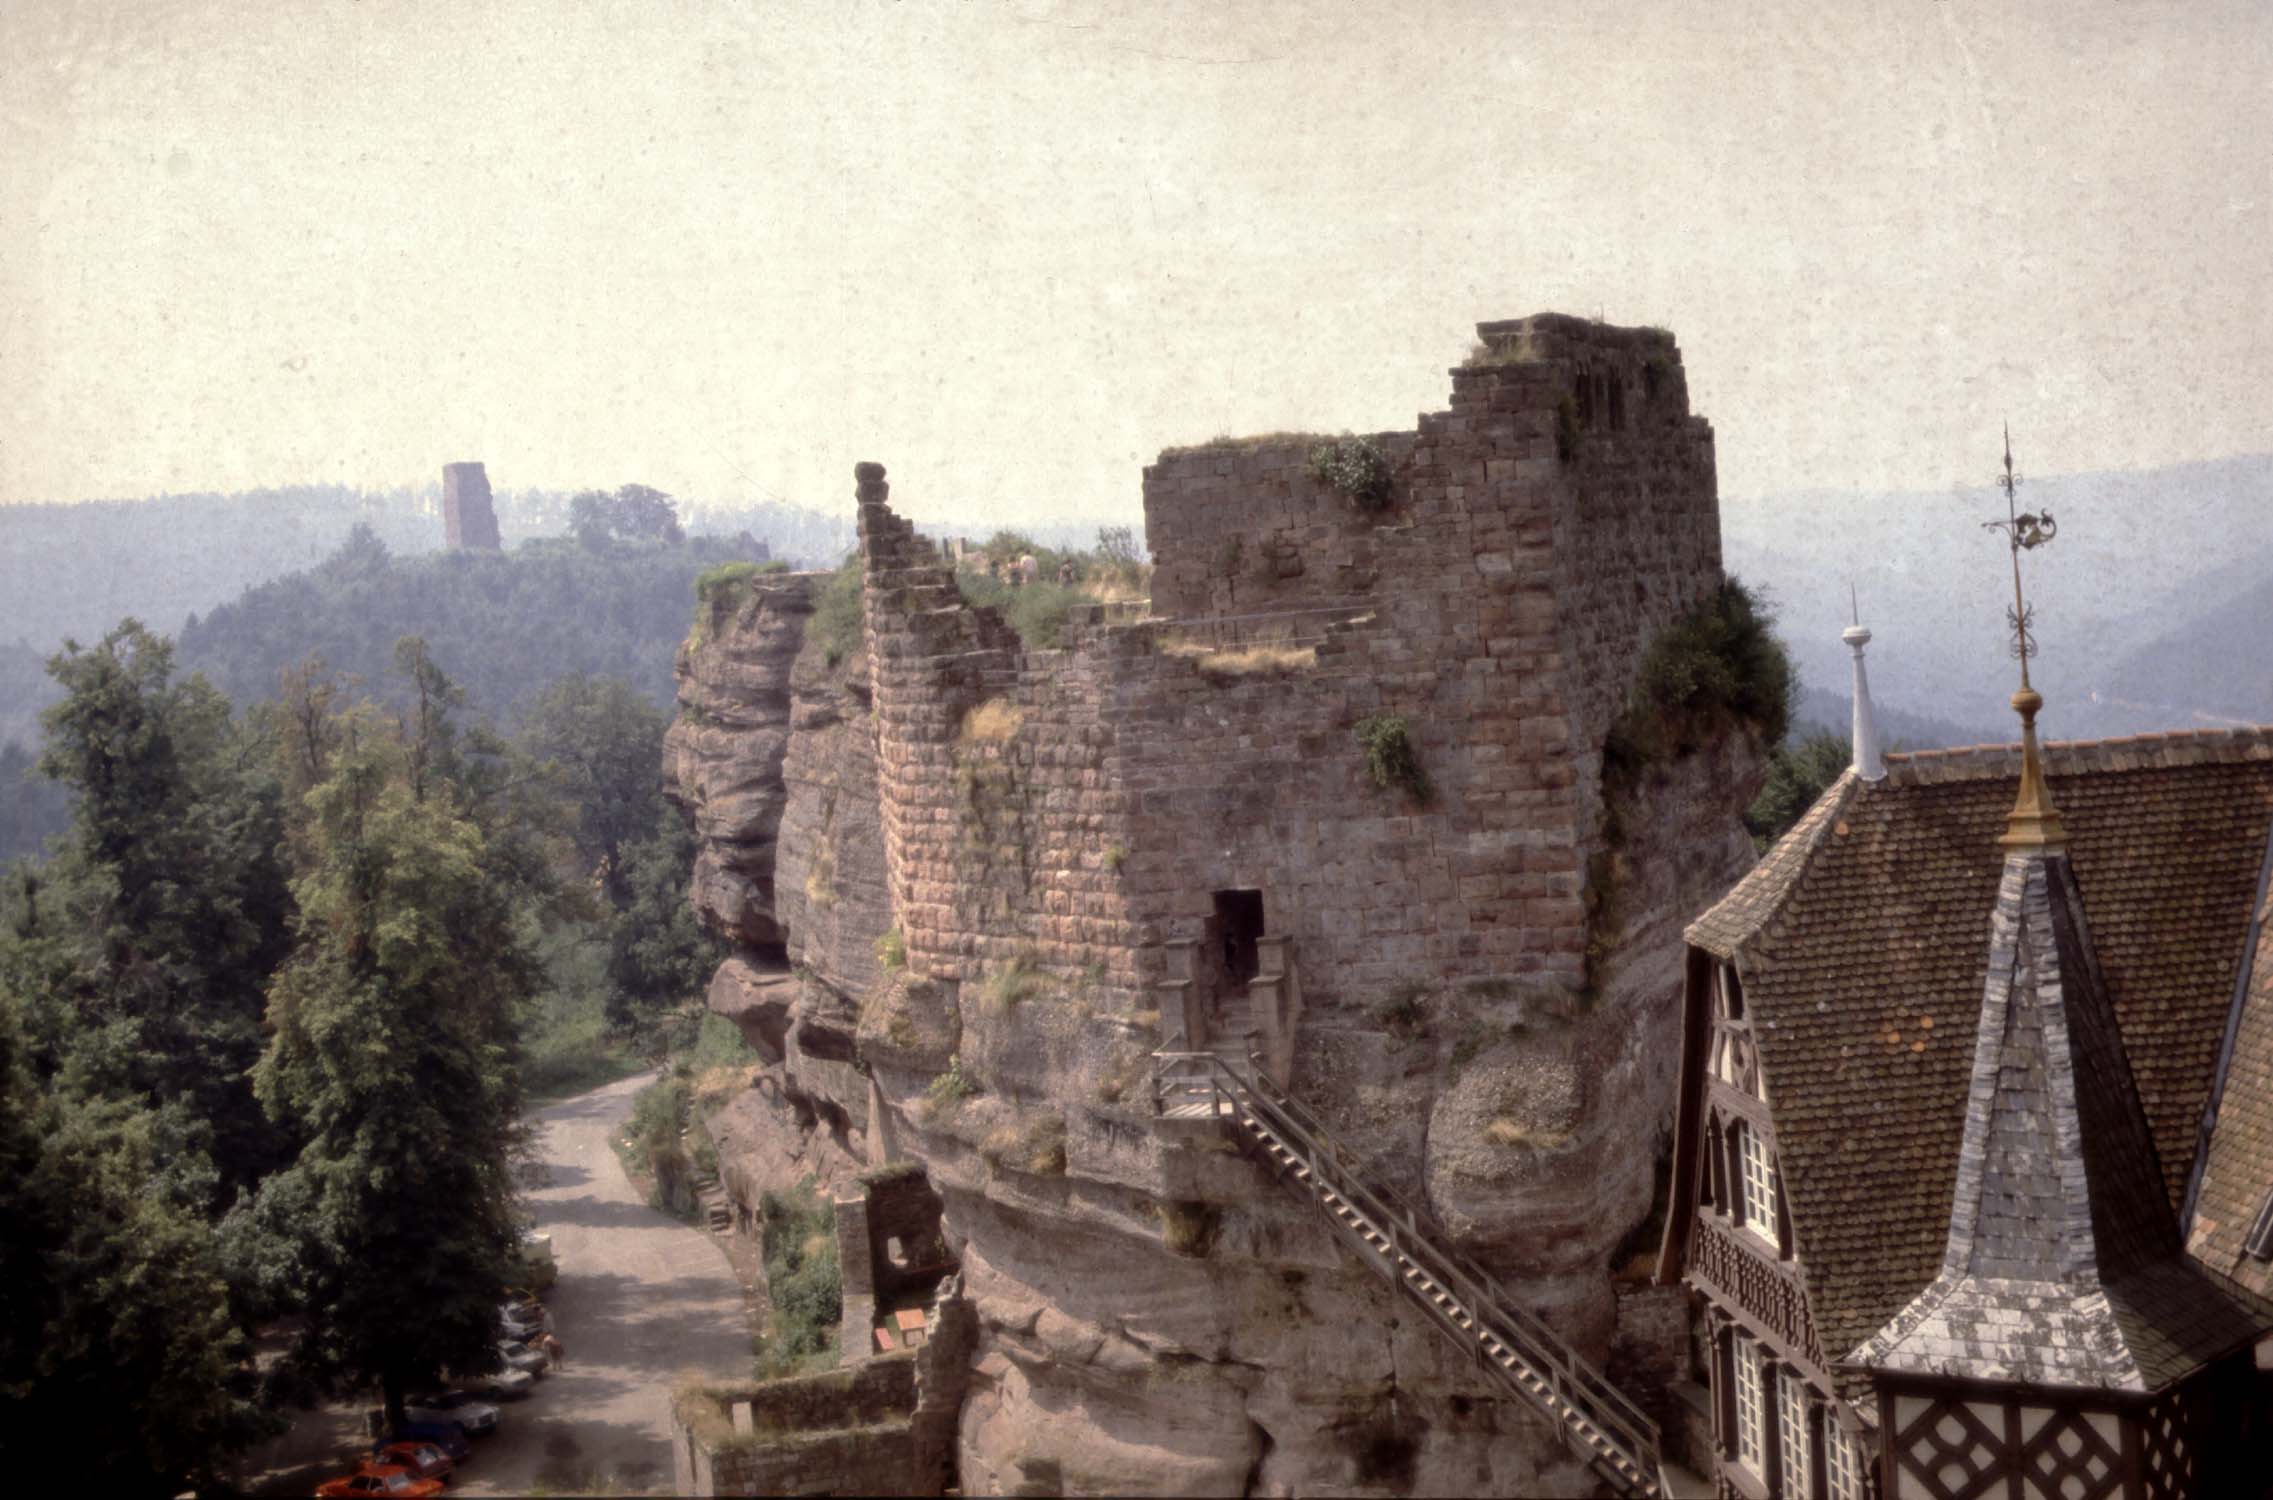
{"x": 1791, "y": 1435}
{"x": 1751, "y": 1407}
{"x": 1842, "y": 1460}
{"x": 1757, "y": 1188}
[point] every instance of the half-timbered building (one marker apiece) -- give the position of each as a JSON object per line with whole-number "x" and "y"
{"x": 1973, "y": 1175}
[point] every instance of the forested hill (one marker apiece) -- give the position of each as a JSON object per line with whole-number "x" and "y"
{"x": 505, "y": 625}
{"x": 77, "y": 570}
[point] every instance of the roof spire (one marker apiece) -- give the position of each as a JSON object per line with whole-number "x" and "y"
{"x": 2034, "y": 822}
{"x": 1869, "y": 766}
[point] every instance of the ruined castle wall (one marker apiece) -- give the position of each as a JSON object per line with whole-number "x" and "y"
{"x": 997, "y": 830}
{"x": 1636, "y": 537}
{"x": 1241, "y": 528}
{"x": 1541, "y": 532}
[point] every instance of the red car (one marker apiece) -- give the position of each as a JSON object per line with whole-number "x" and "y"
{"x": 387, "y": 1482}
{"x": 422, "y": 1460}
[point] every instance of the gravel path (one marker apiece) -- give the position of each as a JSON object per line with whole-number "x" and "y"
{"x": 641, "y": 1297}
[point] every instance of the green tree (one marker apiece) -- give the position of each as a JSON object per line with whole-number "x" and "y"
{"x": 168, "y": 900}
{"x": 1797, "y": 775}
{"x": 658, "y": 954}
{"x": 606, "y": 742}
{"x": 119, "y": 1364}
{"x": 633, "y": 513}
{"x": 33, "y": 808}
{"x": 393, "y": 1053}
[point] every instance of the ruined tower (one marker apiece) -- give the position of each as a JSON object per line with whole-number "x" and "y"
{"x": 468, "y": 519}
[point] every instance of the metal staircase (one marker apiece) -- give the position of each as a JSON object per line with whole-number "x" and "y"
{"x": 1398, "y": 1238}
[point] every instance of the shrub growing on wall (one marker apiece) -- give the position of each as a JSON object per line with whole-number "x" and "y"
{"x": 1716, "y": 667}
{"x": 1389, "y": 754}
{"x": 1356, "y": 468}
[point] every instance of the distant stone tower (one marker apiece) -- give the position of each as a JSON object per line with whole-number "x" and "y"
{"x": 468, "y": 519}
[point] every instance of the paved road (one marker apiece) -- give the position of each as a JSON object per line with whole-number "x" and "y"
{"x": 641, "y": 1298}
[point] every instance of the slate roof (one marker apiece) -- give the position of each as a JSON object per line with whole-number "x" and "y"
{"x": 2063, "y": 1267}
{"x": 1863, "y": 937}
{"x": 2238, "y": 1168}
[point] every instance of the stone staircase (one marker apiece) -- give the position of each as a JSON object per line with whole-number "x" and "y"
{"x": 711, "y": 1202}
{"x": 1398, "y": 1239}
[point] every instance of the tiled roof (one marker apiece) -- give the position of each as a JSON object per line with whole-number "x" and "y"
{"x": 1863, "y": 941}
{"x": 2237, "y": 1173}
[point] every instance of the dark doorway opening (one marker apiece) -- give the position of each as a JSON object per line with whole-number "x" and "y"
{"x": 1239, "y": 918}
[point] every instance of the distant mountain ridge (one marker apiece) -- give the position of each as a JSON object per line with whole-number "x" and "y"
{"x": 2156, "y": 582}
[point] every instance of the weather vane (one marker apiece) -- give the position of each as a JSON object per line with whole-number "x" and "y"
{"x": 2024, "y": 531}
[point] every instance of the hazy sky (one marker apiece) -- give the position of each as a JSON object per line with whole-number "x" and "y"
{"x": 1011, "y": 250}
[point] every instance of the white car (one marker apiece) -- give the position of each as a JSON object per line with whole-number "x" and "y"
{"x": 507, "y": 1382}
{"x": 519, "y": 1356}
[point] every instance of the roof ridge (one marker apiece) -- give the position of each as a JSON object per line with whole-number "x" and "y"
{"x": 2170, "y": 747}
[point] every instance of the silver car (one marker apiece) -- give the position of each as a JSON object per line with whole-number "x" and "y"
{"x": 476, "y": 1416}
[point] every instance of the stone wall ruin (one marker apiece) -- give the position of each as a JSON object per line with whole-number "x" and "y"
{"x": 468, "y": 517}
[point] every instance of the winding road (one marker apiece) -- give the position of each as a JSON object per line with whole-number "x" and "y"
{"x": 642, "y": 1297}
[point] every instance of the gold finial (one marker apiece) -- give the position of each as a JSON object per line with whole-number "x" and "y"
{"x": 2034, "y": 822}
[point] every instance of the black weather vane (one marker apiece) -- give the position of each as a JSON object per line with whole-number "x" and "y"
{"x": 2024, "y": 531}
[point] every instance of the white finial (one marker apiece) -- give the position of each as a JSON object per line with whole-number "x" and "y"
{"x": 1868, "y": 764}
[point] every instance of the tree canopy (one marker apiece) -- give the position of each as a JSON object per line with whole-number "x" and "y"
{"x": 392, "y": 1053}
{"x": 632, "y": 513}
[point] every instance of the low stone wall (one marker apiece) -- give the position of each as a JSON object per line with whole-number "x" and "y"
{"x": 883, "y": 1426}
{"x": 843, "y": 1431}
{"x": 873, "y": 1460}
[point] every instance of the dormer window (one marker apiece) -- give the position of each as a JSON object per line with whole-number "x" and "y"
{"x": 2259, "y": 1245}
{"x": 1757, "y": 1186}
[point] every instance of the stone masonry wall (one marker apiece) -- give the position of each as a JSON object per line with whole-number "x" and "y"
{"x": 841, "y": 1432}
{"x": 1499, "y": 605}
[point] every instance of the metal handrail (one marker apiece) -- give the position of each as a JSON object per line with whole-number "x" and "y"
{"x": 1570, "y": 1378}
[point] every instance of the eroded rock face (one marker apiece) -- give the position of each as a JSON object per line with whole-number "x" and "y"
{"x": 722, "y": 756}
{"x": 1163, "y": 1318}
{"x": 773, "y": 754}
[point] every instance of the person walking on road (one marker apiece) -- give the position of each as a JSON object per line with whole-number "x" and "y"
{"x": 552, "y": 1350}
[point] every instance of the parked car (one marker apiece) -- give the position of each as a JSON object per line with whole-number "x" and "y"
{"x": 420, "y": 1460}
{"x": 519, "y": 1356}
{"x": 447, "y": 1436}
{"x": 520, "y": 1324}
{"x": 387, "y": 1482}
{"x": 506, "y": 1383}
{"x": 477, "y": 1417}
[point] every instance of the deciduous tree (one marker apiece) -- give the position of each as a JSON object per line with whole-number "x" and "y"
{"x": 393, "y": 1053}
